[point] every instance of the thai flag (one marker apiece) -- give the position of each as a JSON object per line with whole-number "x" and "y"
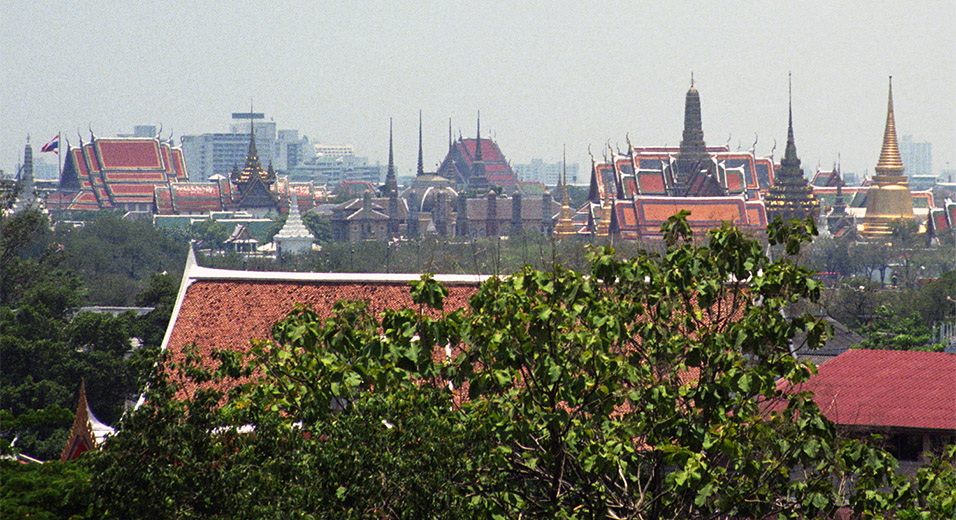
{"x": 52, "y": 146}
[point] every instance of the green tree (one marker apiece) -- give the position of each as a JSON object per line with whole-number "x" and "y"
{"x": 44, "y": 491}
{"x": 655, "y": 387}
{"x": 320, "y": 226}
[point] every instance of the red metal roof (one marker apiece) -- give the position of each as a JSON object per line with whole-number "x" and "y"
{"x": 888, "y": 388}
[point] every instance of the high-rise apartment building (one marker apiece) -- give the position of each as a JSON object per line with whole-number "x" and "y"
{"x": 219, "y": 153}
{"x": 545, "y": 173}
{"x": 917, "y": 157}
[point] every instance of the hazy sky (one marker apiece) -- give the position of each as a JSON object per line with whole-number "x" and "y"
{"x": 542, "y": 73}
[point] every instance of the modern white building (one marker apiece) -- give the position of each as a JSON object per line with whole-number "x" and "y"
{"x": 218, "y": 153}
{"x": 545, "y": 173}
{"x": 917, "y": 157}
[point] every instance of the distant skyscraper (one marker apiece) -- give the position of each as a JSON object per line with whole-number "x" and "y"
{"x": 218, "y": 153}
{"x": 546, "y": 173}
{"x": 917, "y": 157}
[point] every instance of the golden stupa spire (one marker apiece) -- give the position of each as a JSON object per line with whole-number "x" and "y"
{"x": 565, "y": 225}
{"x": 888, "y": 199}
{"x": 890, "y": 162}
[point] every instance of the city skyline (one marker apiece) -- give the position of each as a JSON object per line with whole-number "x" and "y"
{"x": 543, "y": 75}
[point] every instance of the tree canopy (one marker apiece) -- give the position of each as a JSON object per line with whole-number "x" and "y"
{"x": 656, "y": 386}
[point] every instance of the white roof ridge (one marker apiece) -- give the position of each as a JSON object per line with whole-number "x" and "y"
{"x": 199, "y": 273}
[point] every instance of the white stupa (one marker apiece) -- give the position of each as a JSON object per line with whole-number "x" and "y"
{"x": 294, "y": 237}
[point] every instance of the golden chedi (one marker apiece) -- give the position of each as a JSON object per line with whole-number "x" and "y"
{"x": 888, "y": 199}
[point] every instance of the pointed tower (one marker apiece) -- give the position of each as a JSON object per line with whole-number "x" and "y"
{"x": 565, "y": 225}
{"x": 888, "y": 199}
{"x": 254, "y": 183}
{"x": 391, "y": 182}
{"x": 838, "y": 221}
{"x": 421, "y": 161}
{"x": 478, "y": 183}
{"x": 294, "y": 237}
{"x": 391, "y": 189}
{"x": 791, "y": 196}
{"x": 26, "y": 198}
{"x": 693, "y": 155}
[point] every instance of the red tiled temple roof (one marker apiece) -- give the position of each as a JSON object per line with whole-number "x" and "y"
{"x": 220, "y": 309}
{"x": 179, "y": 164}
{"x": 489, "y": 150}
{"x": 122, "y": 170}
{"x": 887, "y": 388}
{"x": 82, "y": 169}
{"x": 129, "y": 153}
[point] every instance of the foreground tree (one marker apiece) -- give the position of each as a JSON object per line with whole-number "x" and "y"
{"x": 658, "y": 386}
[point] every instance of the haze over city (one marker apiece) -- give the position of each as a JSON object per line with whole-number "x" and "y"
{"x": 542, "y": 74}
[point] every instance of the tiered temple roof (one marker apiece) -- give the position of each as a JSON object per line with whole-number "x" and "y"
{"x": 631, "y": 194}
{"x": 118, "y": 172}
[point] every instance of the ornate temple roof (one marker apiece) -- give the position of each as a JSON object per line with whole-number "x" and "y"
{"x": 253, "y": 167}
{"x": 117, "y": 172}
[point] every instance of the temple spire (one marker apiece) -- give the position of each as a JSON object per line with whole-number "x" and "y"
{"x": 421, "y": 162}
{"x": 790, "y": 106}
{"x": 478, "y": 181}
{"x": 565, "y": 224}
{"x": 790, "y": 154}
{"x": 391, "y": 183}
{"x": 478, "y": 140}
{"x": 890, "y": 162}
{"x": 791, "y": 196}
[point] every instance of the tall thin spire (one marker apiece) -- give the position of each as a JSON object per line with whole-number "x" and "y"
{"x": 890, "y": 162}
{"x": 391, "y": 183}
{"x": 790, "y": 106}
{"x": 421, "y": 162}
{"x": 791, "y": 196}
{"x": 790, "y": 154}
{"x": 564, "y": 176}
{"x": 478, "y": 181}
{"x": 565, "y": 224}
{"x": 450, "y": 140}
{"x": 478, "y": 140}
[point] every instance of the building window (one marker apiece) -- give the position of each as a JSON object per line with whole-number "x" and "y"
{"x": 905, "y": 446}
